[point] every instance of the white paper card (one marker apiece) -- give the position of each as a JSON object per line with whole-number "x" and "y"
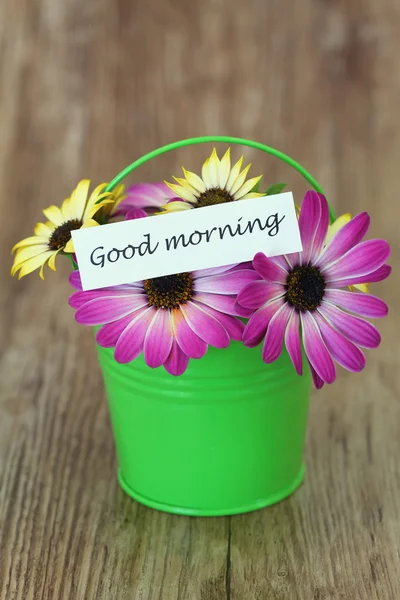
{"x": 195, "y": 239}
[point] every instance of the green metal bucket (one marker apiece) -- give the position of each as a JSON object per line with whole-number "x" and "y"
{"x": 224, "y": 438}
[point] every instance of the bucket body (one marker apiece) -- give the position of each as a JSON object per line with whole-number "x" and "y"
{"x": 224, "y": 438}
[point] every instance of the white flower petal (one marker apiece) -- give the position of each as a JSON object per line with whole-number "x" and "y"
{"x": 205, "y": 173}
{"x": 246, "y": 187}
{"x": 186, "y": 185}
{"x": 224, "y": 169}
{"x": 234, "y": 174}
{"x": 239, "y": 181}
{"x": 175, "y": 206}
{"x": 182, "y": 192}
{"x": 214, "y": 168}
{"x": 195, "y": 181}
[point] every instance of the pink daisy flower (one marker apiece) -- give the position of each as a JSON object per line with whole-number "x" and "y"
{"x": 143, "y": 200}
{"x": 304, "y": 290}
{"x": 170, "y": 319}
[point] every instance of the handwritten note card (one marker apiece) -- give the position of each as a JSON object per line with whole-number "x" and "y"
{"x": 186, "y": 241}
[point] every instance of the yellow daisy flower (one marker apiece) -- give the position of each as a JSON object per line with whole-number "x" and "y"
{"x": 332, "y": 230}
{"x": 54, "y": 236}
{"x": 219, "y": 183}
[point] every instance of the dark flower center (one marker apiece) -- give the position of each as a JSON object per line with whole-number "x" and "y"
{"x": 169, "y": 291}
{"x": 305, "y": 287}
{"x": 213, "y": 196}
{"x": 61, "y": 236}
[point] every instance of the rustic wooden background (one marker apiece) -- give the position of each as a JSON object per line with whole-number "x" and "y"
{"x": 86, "y": 87}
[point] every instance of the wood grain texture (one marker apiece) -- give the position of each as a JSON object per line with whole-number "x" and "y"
{"x": 86, "y": 87}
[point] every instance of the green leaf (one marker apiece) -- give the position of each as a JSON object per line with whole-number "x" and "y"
{"x": 276, "y": 188}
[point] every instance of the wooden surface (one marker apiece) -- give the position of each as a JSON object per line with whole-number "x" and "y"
{"x": 86, "y": 87}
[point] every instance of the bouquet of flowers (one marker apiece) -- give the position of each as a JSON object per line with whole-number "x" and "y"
{"x": 317, "y": 300}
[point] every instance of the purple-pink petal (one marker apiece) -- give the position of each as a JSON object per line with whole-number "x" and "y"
{"x": 190, "y": 343}
{"x": 108, "y": 335}
{"x": 225, "y": 304}
{"x": 75, "y": 280}
{"x": 313, "y": 224}
{"x": 347, "y": 354}
{"x": 281, "y": 261}
{"x": 363, "y": 259}
{"x": 364, "y": 305}
{"x": 177, "y": 361}
{"x": 272, "y": 347}
{"x": 158, "y": 340}
{"x": 205, "y": 326}
{"x": 346, "y": 238}
{"x": 257, "y": 324}
{"x": 135, "y": 213}
{"x": 293, "y": 343}
{"x": 310, "y": 215}
{"x": 316, "y": 351}
{"x": 292, "y": 260}
{"x": 226, "y": 283}
{"x": 321, "y": 230}
{"x": 379, "y": 275}
{"x": 78, "y": 299}
{"x": 268, "y": 269}
{"x": 257, "y": 293}
{"x": 130, "y": 342}
{"x": 106, "y": 309}
{"x": 317, "y": 381}
{"x": 233, "y": 326}
{"x": 143, "y": 195}
{"x": 213, "y": 271}
{"x": 357, "y": 330}
{"x": 241, "y": 311}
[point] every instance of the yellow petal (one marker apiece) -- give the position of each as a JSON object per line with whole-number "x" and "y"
{"x": 234, "y": 174}
{"x": 176, "y": 206}
{"x": 195, "y": 181}
{"x": 224, "y": 169}
{"x": 79, "y": 198}
{"x": 336, "y": 226}
{"x": 92, "y": 210}
{"x": 54, "y": 215}
{"x": 95, "y": 199}
{"x": 213, "y": 168}
{"x": 362, "y": 287}
{"x": 67, "y": 210}
{"x": 186, "y": 185}
{"x": 52, "y": 260}
{"x": 34, "y": 263}
{"x": 34, "y": 240}
{"x": 246, "y": 187}
{"x": 69, "y": 247}
{"x": 252, "y": 195}
{"x": 237, "y": 184}
{"x": 118, "y": 195}
{"x": 27, "y": 253}
{"x": 181, "y": 192}
{"x": 90, "y": 223}
{"x": 44, "y": 229}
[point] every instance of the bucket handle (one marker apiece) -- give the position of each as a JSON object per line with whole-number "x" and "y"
{"x": 227, "y": 140}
